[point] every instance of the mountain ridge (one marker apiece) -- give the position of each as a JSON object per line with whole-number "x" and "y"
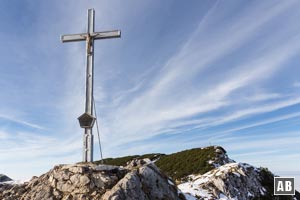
{"x": 203, "y": 160}
{"x": 195, "y": 174}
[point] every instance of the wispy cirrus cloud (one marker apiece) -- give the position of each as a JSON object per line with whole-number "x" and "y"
{"x": 19, "y": 121}
{"x": 175, "y": 92}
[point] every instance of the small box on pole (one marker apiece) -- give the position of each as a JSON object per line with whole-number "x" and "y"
{"x": 86, "y": 120}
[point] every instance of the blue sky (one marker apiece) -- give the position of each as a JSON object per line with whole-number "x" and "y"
{"x": 183, "y": 75}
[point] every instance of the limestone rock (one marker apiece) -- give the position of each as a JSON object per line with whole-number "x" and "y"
{"x": 221, "y": 157}
{"x": 89, "y": 181}
{"x": 156, "y": 184}
{"x": 145, "y": 183}
{"x": 129, "y": 187}
{"x": 230, "y": 181}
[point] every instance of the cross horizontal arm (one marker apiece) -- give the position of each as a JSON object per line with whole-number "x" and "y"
{"x": 106, "y": 34}
{"x": 73, "y": 37}
{"x": 95, "y": 36}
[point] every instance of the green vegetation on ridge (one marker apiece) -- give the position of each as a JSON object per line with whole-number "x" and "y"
{"x": 193, "y": 161}
{"x": 176, "y": 165}
{"x": 122, "y": 161}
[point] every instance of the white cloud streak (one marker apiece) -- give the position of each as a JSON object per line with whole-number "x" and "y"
{"x": 23, "y": 122}
{"x": 173, "y": 95}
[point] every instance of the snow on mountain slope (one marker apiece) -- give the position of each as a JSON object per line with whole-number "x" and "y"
{"x": 230, "y": 181}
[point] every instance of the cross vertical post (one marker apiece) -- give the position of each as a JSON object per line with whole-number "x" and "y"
{"x": 87, "y": 119}
{"x": 89, "y": 137}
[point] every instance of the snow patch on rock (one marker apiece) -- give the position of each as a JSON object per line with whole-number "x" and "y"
{"x": 229, "y": 181}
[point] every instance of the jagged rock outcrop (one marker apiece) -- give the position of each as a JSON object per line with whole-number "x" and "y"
{"x": 238, "y": 181}
{"x": 233, "y": 180}
{"x": 221, "y": 157}
{"x": 89, "y": 181}
{"x": 144, "y": 182}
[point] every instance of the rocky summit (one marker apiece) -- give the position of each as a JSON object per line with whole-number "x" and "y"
{"x": 139, "y": 180}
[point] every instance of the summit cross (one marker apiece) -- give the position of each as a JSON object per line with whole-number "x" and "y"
{"x": 87, "y": 119}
